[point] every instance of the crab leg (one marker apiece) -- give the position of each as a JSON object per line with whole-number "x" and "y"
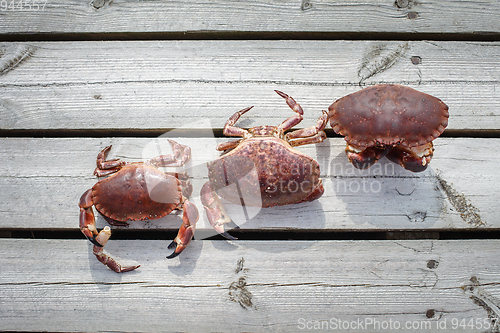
{"x": 102, "y": 238}
{"x": 179, "y": 175}
{"x": 228, "y": 145}
{"x": 181, "y": 155}
{"x": 217, "y": 215}
{"x": 104, "y": 167}
{"x": 87, "y": 218}
{"x": 365, "y": 158}
{"x": 102, "y": 164}
{"x": 87, "y": 226}
{"x": 230, "y": 129}
{"x": 313, "y": 134}
{"x": 317, "y": 138}
{"x": 295, "y": 119}
{"x": 187, "y": 188}
{"x": 186, "y": 231}
{"x": 414, "y": 159}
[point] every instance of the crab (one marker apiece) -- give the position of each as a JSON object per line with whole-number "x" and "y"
{"x": 389, "y": 120}
{"x": 138, "y": 191}
{"x": 263, "y": 166}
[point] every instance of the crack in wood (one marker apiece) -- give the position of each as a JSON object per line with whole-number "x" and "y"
{"x": 238, "y": 291}
{"x": 239, "y": 266}
{"x": 13, "y": 55}
{"x": 417, "y": 217}
{"x": 485, "y": 300}
{"x": 246, "y": 82}
{"x": 143, "y": 284}
{"x": 468, "y": 212}
{"x": 380, "y": 58}
{"x": 427, "y": 250}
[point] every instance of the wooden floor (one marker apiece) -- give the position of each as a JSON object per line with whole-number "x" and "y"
{"x": 383, "y": 250}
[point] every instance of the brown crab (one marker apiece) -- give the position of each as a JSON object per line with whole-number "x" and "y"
{"x": 264, "y": 167}
{"x": 138, "y": 191}
{"x": 389, "y": 120}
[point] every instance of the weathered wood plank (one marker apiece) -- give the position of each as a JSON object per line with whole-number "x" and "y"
{"x": 302, "y": 62}
{"x": 171, "y": 84}
{"x": 124, "y": 16}
{"x": 458, "y": 191}
{"x": 58, "y": 285}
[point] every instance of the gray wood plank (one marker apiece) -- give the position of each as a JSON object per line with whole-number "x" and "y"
{"x": 301, "y": 61}
{"x": 125, "y": 16}
{"x": 457, "y": 191}
{"x": 58, "y": 285}
{"x": 199, "y": 84}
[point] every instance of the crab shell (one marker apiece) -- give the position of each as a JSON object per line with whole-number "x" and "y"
{"x": 137, "y": 192}
{"x": 267, "y": 171}
{"x": 388, "y": 115}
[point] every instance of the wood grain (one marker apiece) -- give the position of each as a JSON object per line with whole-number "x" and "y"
{"x": 195, "y": 69}
{"x": 453, "y": 193}
{"x": 353, "y": 16}
{"x": 58, "y": 285}
{"x": 199, "y": 84}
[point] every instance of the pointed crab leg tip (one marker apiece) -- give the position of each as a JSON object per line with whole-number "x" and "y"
{"x": 173, "y": 255}
{"x": 129, "y": 268}
{"x": 172, "y": 245}
{"x": 93, "y": 241}
{"x": 282, "y": 94}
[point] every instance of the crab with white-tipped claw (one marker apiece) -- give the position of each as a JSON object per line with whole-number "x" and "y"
{"x": 138, "y": 191}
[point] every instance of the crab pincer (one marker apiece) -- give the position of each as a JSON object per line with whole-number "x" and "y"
{"x": 389, "y": 120}
{"x": 134, "y": 192}
{"x": 186, "y": 231}
{"x": 263, "y": 169}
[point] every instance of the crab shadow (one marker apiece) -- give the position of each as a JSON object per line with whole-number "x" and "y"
{"x": 149, "y": 253}
{"x": 274, "y": 223}
{"x": 386, "y": 196}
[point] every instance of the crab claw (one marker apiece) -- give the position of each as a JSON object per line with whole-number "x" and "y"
{"x": 217, "y": 215}
{"x": 415, "y": 159}
{"x": 186, "y": 231}
{"x": 87, "y": 218}
{"x": 102, "y": 239}
{"x": 364, "y": 158}
{"x": 99, "y": 239}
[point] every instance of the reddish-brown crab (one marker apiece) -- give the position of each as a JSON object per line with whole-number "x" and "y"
{"x": 138, "y": 191}
{"x": 389, "y": 120}
{"x": 264, "y": 166}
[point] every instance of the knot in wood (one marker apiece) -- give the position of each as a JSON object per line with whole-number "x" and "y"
{"x": 97, "y": 4}
{"x": 412, "y": 15}
{"x": 416, "y": 60}
{"x": 402, "y": 3}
